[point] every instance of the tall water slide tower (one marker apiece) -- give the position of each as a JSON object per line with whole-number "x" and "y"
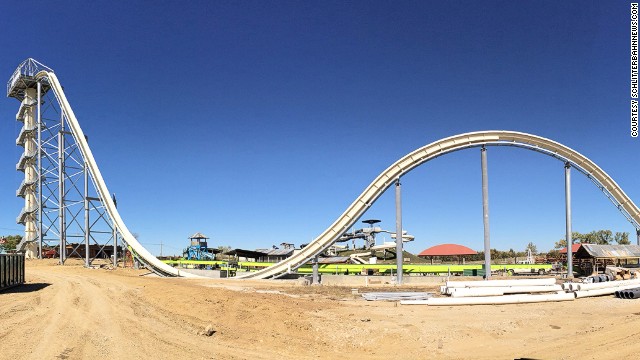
{"x": 63, "y": 215}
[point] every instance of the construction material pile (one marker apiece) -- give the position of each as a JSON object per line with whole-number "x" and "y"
{"x": 497, "y": 292}
{"x": 493, "y": 292}
{"x": 606, "y": 284}
{"x": 619, "y": 273}
{"x": 628, "y": 294}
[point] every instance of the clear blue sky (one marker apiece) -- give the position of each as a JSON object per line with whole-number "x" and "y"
{"x": 259, "y": 122}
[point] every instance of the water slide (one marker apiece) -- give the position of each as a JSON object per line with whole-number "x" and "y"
{"x": 139, "y": 251}
{"x": 434, "y": 150}
{"x": 368, "y": 196}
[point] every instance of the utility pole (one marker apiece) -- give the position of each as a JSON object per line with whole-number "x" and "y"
{"x": 485, "y": 213}
{"x": 567, "y": 200}
{"x": 399, "y": 254}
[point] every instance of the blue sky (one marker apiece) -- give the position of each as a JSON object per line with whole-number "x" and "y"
{"x": 259, "y": 122}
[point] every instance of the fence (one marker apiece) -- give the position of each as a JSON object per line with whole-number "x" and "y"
{"x": 11, "y": 270}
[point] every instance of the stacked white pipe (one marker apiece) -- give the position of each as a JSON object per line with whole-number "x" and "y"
{"x": 497, "y": 292}
{"x": 604, "y": 288}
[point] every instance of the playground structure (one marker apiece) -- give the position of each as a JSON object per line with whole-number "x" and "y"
{"x": 198, "y": 249}
{"x": 66, "y": 196}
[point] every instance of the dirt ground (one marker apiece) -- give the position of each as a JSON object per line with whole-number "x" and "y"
{"x": 70, "y": 312}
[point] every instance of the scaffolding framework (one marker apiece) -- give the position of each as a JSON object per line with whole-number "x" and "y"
{"x": 63, "y": 215}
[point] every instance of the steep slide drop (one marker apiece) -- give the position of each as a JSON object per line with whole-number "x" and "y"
{"x": 442, "y": 147}
{"x": 139, "y": 251}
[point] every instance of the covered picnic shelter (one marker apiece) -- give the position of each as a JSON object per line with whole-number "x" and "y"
{"x": 455, "y": 250}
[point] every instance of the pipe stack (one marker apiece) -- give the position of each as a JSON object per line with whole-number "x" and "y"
{"x": 529, "y": 291}
{"x": 628, "y": 294}
{"x": 498, "y": 287}
{"x": 603, "y": 288}
{"x": 496, "y": 292}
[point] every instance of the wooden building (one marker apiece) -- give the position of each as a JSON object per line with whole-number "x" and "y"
{"x": 592, "y": 258}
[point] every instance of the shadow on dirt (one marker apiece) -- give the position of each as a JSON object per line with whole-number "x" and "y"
{"x": 25, "y": 288}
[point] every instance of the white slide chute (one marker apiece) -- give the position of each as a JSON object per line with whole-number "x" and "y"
{"x": 442, "y": 147}
{"x": 145, "y": 256}
{"x": 368, "y": 196}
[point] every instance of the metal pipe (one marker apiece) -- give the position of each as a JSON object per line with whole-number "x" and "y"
{"x": 399, "y": 254}
{"x": 87, "y": 226}
{"x": 39, "y": 171}
{"x": 115, "y": 237}
{"x": 605, "y": 291}
{"x": 496, "y": 291}
{"x": 115, "y": 246}
{"x": 315, "y": 279}
{"x": 472, "y": 292}
{"x": 638, "y": 236}
{"x": 531, "y": 289}
{"x": 491, "y": 300}
{"x": 485, "y": 213}
{"x": 61, "y": 195}
{"x": 608, "y": 284}
{"x": 567, "y": 200}
{"x": 502, "y": 283}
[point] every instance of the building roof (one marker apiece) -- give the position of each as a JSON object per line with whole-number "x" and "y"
{"x": 574, "y": 248}
{"x": 276, "y": 252}
{"x": 609, "y": 251}
{"x": 447, "y": 250}
{"x": 198, "y": 235}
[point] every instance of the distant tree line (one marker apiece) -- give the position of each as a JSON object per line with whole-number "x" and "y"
{"x": 600, "y": 237}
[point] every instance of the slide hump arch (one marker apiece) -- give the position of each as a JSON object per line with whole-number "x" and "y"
{"x": 441, "y": 147}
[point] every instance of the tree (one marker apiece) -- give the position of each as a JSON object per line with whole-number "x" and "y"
{"x": 622, "y": 238}
{"x": 600, "y": 237}
{"x": 553, "y": 254}
{"x": 10, "y": 242}
{"x": 531, "y": 246}
{"x": 576, "y": 237}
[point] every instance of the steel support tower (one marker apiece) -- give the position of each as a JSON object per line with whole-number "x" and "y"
{"x": 63, "y": 215}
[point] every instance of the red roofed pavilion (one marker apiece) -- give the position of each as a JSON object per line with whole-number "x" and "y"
{"x": 574, "y": 248}
{"x": 447, "y": 250}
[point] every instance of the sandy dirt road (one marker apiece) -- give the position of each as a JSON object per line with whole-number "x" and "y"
{"x": 69, "y": 312}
